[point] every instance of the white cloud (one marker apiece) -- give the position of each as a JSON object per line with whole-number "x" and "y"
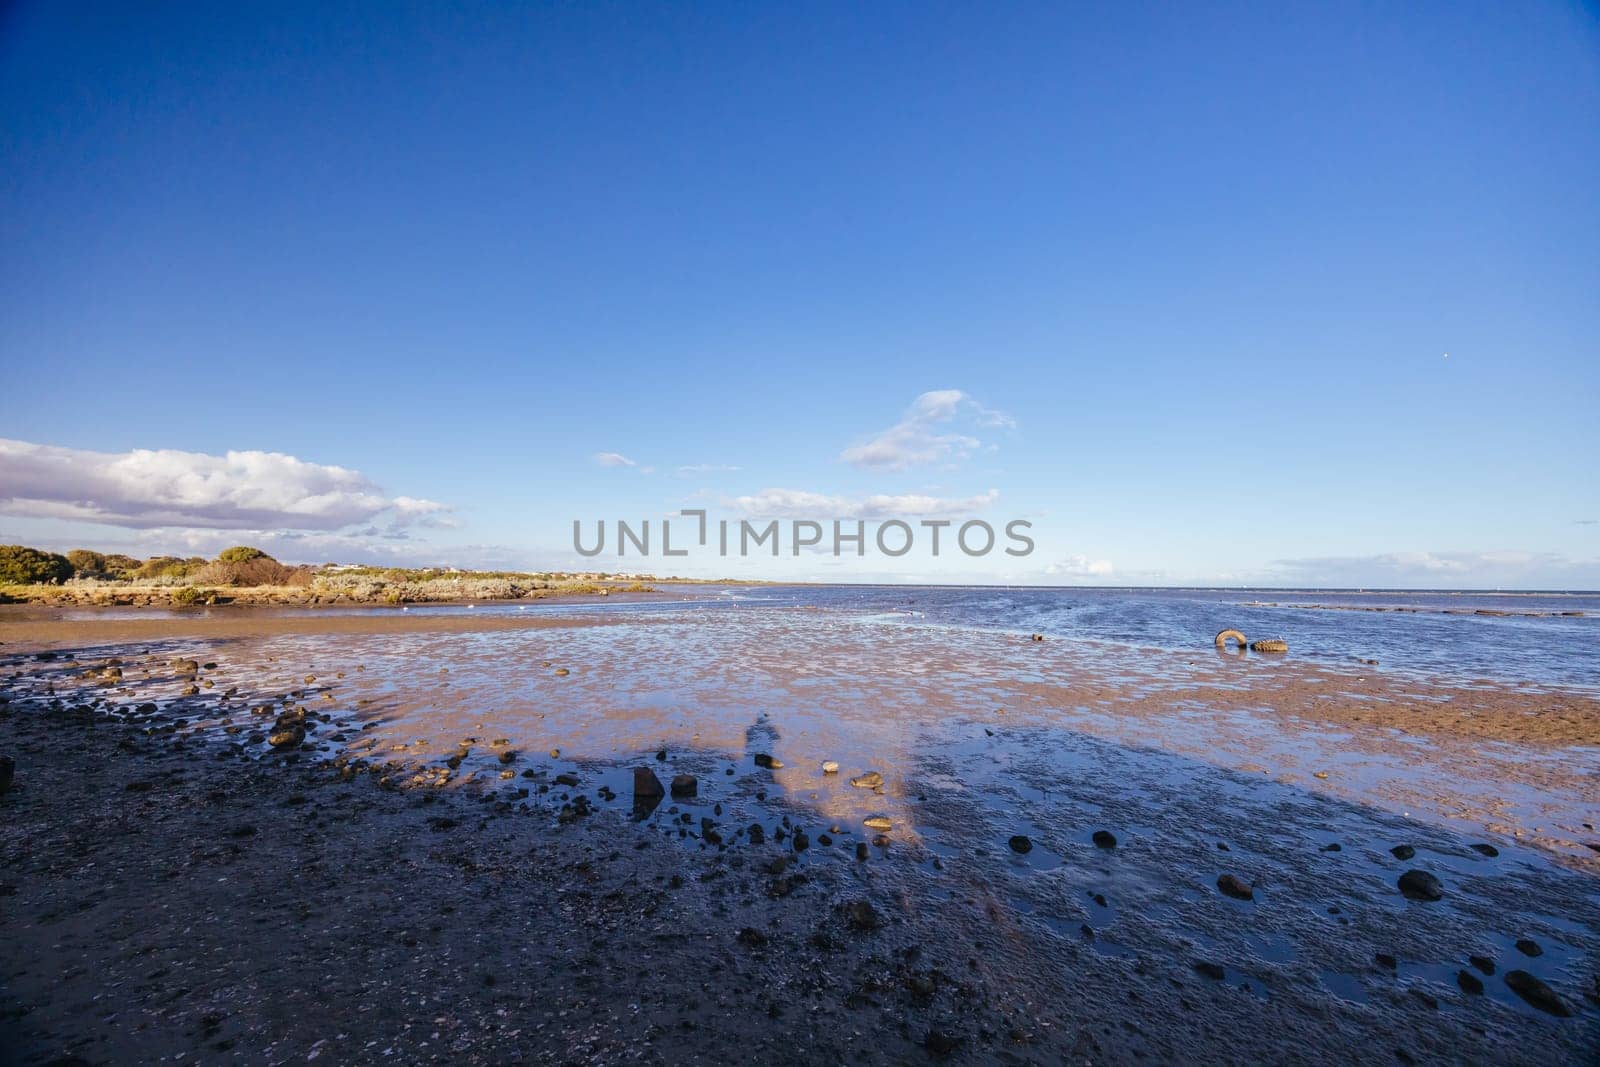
{"x": 920, "y": 437}
{"x": 148, "y": 488}
{"x": 801, "y": 504}
{"x": 692, "y": 469}
{"x": 613, "y": 459}
{"x": 1079, "y": 567}
{"x": 1443, "y": 570}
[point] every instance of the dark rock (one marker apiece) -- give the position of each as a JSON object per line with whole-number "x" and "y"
{"x": 290, "y": 738}
{"x": 868, "y": 780}
{"x": 1210, "y": 970}
{"x": 1237, "y": 888}
{"x": 861, "y": 915}
{"x": 1105, "y": 839}
{"x": 567, "y": 778}
{"x": 1487, "y": 850}
{"x": 1386, "y": 961}
{"x": 1483, "y": 963}
{"x": 684, "y": 785}
{"x": 1529, "y": 947}
{"x": 861, "y": 850}
{"x": 764, "y": 759}
{"x": 801, "y": 841}
{"x": 646, "y": 784}
{"x": 1402, "y": 852}
{"x": 941, "y": 1043}
{"x": 1535, "y": 992}
{"x": 1020, "y": 843}
{"x": 752, "y": 937}
{"x": 1469, "y": 982}
{"x": 8, "y": 773}
{"x": 757, "y": 833}
{"x": 1420, "y": 885}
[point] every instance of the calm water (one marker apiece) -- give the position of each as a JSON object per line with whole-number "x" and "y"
{"x": 1431, "y": 633}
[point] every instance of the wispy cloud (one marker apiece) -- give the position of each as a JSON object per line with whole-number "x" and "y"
{"x": 613, "y": 459}
{"x": 798, "y": 503}
{"x": 924, "y": 434}
{"x": 693, "y": 469}
{"x": 1499, "y": 569}
{"x": 1078, "y": 567}
{"x": 148, "y": 488}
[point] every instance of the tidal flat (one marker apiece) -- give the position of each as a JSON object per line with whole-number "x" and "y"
{"x": 796, "y": 827}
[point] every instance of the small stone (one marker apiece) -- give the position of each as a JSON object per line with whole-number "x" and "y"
{"x": 877, "y": 822}
{"x": 1104, "y": 839}
{"x": 1210, "y": 970}
{"x": 1485, "y": 849}
{"x": 757, "y": 834}
{"x": 685, "y": 785}
{"x": 861, "y": 915}
{"x": 1402, "y": 852}
{"x": 752, "y": 937}
{"x": 1469, "y": 982}
{"x": 830, "y": 767}
{"x": 861, "y": 850}
{"x": 646, "y": 784}
{"x": 1420, "y": 885}
{"x": 568, "y": 779}
{"x": 768, "y": 761}
{"x": 869, "y": 780}
{"x": 8, "y": 773}
{"x": 562, "y": 672}
{"x": 290, "y": 738}
{"x": 1234, "y": 887}
{"x": 801, "y": 841}
{"x": 1020, "y": 844}
{"x": 1535, "y": 992}
{"x": 1386, "y": 961}
{"x": 1529, "y": 947}
{"x": 938, "y": 1041}
{"x": 1483, "y": 963}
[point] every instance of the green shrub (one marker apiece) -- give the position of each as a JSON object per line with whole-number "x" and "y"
{"x": 21, "y": 565}
{"x": 241, "y": 554}
{"x": 120, "y": 566}
{"x": 169, "y": 567}
{"x": 189, "y": 596}
{"x": 87, "y": 564}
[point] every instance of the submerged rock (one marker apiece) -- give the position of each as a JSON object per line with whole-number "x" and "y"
{"x": 868, "y": 780}
{"x": 1535, "y": 992}
{"x": 1235, "y": 887}
{"x": 830, "y": 767}
{"x": 685, "y": 785}
{"x": 1105, "y": 839}
{"x": 1469, "y": 982}
{"x": 8, "y": 773}
{"x": 1485, "y": 849}
{"x": 1402, "y": 852}
{"x": 1420, "y": 885}
{"x": 646, "y": 784}
{"x": 1529, "y": 947}
{"x": 1020, "y": 844}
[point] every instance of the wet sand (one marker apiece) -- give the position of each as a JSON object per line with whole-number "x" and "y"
{"x": 453, "y": 864}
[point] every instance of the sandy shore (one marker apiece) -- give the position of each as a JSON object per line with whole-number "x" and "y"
{"x": 171, "y": 886}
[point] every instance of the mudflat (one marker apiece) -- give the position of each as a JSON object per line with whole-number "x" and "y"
{"x": 1058, "y": 849}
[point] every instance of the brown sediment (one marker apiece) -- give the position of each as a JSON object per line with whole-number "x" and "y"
{"x": 43, "y": 627}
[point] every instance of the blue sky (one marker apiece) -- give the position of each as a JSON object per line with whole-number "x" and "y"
{"x": 1193, "y": 272}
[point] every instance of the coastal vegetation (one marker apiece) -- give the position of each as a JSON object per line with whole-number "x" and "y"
{"x": 246, "y": 574}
